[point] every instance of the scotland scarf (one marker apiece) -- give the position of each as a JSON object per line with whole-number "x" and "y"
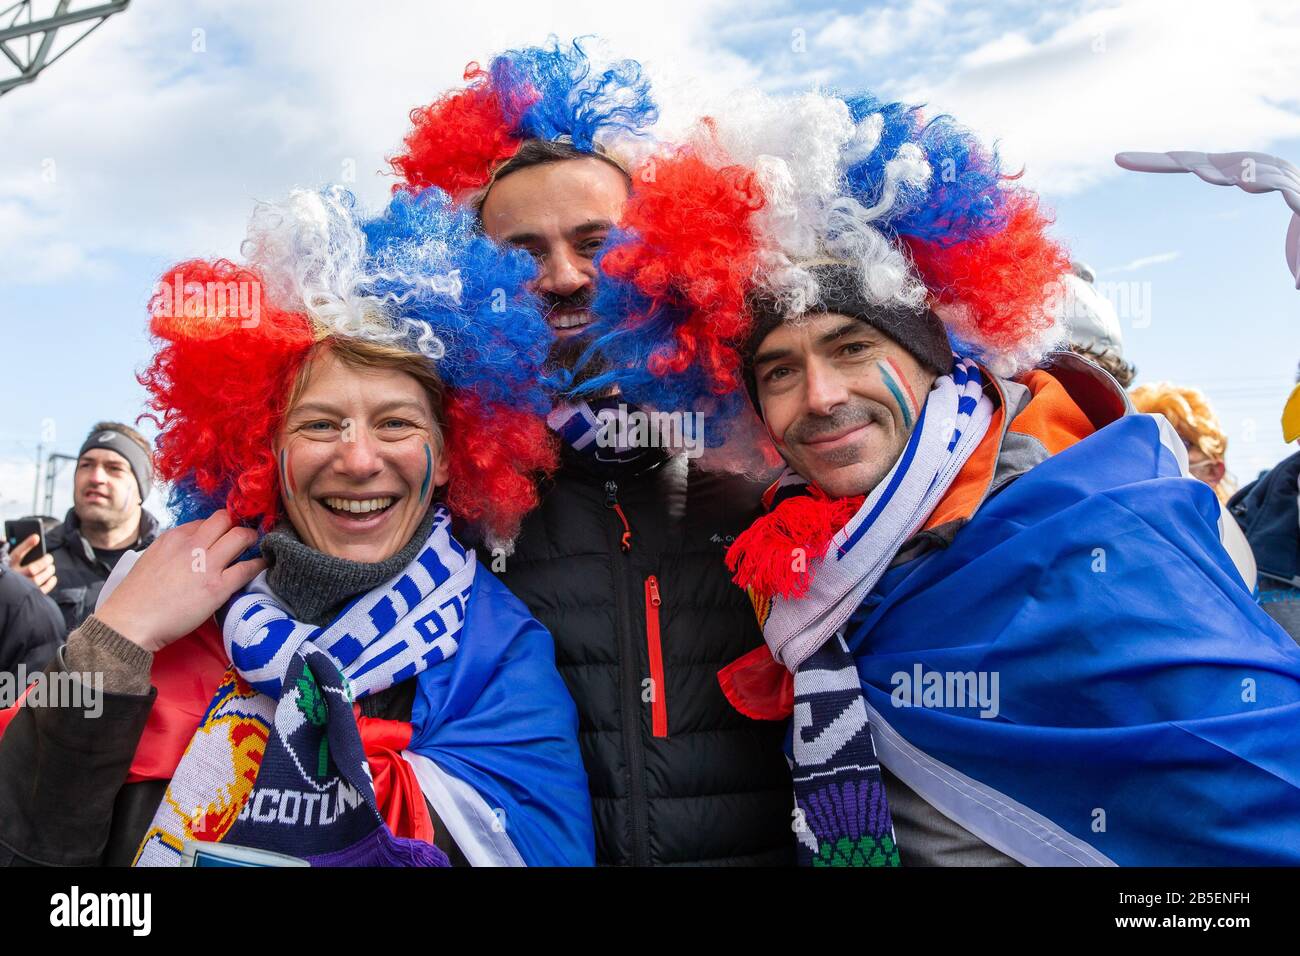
{"x": 842, "y": 808}
{"x": 277, "y": 762}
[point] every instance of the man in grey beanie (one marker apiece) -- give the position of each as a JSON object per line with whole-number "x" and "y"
{"x": 107, "y": 519}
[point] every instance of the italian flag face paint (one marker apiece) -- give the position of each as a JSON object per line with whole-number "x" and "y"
{"x": 896, "y": 382}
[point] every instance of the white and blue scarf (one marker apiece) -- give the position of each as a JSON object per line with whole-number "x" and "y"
{"x": 843, "y": 811}
{"x": 320, "y": 802}
{"x": 582, "y": 427}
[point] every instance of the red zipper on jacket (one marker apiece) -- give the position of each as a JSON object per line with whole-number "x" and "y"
{"x": 659, "y": 698}
{"x": 634, "y": 744}
{"x": 611, "y": 501}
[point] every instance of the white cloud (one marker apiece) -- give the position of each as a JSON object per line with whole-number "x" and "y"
{"x": 135, "y": 143}
{"x": 1009, "y": 46}
{"x": 1144, "y": 261}
{"x": 881, "y": 32}
{"x": 1154, "y": 75}
{"x": 1062, "y": 86}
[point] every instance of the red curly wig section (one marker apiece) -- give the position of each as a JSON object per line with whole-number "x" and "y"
{"x": 1004, "y": 280}
{"x": 695, "y": 249}
{"x": 219, "y": 382}
{"x": 496, "y": 454}
{"x": 456, "y": 141}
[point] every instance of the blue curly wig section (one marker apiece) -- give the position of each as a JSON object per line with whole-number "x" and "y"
{"x": 625, "y": 352}
{"x": 574, "y": 100}
{"x": 494, "y": 334}
{"x": 186, "y": 502}
{"x": 963, "y": 201}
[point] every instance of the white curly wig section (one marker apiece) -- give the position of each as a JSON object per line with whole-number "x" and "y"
{"x": 800, "y": 148}
{"x": 309, "y": 249}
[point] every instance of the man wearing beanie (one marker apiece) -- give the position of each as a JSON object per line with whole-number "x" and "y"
{"x": 998, "y": 580}
{"x": 1001, "y": 625}
{"x": 106, "y": 520}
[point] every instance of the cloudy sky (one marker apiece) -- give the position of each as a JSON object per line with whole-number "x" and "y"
{"x": 148, "y": 142}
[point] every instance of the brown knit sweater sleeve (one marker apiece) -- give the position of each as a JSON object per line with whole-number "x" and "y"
{"x": 96, "y": 648}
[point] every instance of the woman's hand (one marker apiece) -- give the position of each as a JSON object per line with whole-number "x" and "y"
{"x": 180, "y": 581}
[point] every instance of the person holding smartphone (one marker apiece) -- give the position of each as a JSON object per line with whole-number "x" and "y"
{"x": 107, "y": 519}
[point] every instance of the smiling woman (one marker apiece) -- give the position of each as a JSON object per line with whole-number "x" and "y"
{"x": 361, "y": 449}
{"x": 363, "y": 692}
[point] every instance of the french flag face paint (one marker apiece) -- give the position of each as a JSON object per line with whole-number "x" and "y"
{"x": 286, "y": 477}
{"x": 896, "y": 382}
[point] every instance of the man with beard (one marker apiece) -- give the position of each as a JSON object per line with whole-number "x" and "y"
{"x": 559, "y": 205}
{"x": 106, "y": 520}
{"x": 623, "y": 561}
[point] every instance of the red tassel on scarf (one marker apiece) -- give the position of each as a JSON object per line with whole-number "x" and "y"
{"x": 775, "y": 555}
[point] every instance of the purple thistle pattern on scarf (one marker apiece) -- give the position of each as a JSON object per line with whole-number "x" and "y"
{"x": 851, "y": 808}
{"x": 844, "y": 813}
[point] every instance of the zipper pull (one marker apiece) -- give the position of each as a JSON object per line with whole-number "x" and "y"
{"x": 611, "y": 501}
{"x": 654, "y": 647}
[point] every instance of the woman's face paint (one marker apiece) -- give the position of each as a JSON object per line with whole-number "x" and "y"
{"x": 286, "y": 477}
{"x": 896, "y": 382}
{"x": 428, "y": 471}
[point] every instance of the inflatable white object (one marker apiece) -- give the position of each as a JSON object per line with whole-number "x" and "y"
{"x": 1253, "y": 172}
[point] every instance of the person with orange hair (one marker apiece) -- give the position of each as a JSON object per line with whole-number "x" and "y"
{"x": 1189, "y": 412}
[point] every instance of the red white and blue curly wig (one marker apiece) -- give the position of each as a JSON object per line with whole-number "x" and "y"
{"x": 420, "y": 276}
{"x": 545, "y": 93}
{"x": 919, "y": 207}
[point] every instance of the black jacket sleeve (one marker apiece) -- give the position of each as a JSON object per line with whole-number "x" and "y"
{"x": 61, "y": 768}
{"x": 31, "y": 625}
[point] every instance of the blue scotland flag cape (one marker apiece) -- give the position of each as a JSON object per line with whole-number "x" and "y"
{"x": 1147, "y": 710}
{"x": 494, "y": 741}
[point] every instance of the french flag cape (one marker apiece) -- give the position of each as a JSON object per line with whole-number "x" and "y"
{"x": 1148, "y": 710}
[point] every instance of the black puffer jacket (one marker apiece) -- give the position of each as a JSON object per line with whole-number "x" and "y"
{"x": 677, "y": 776}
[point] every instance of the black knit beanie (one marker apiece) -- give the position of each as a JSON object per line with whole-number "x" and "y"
{"x": 919, "y": 331}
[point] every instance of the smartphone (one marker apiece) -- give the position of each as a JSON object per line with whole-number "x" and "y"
{"x": 19, "y": 530}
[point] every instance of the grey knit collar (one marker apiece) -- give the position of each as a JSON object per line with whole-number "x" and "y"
{"x": 314, "y": 586}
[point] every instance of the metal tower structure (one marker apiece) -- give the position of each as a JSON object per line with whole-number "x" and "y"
{"x": 53, "y": 465}
{"x": 28, "y": 39}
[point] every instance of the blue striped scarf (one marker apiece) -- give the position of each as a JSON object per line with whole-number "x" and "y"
{"x": 843, "y": 814}
{"x": 580, "y": 426}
